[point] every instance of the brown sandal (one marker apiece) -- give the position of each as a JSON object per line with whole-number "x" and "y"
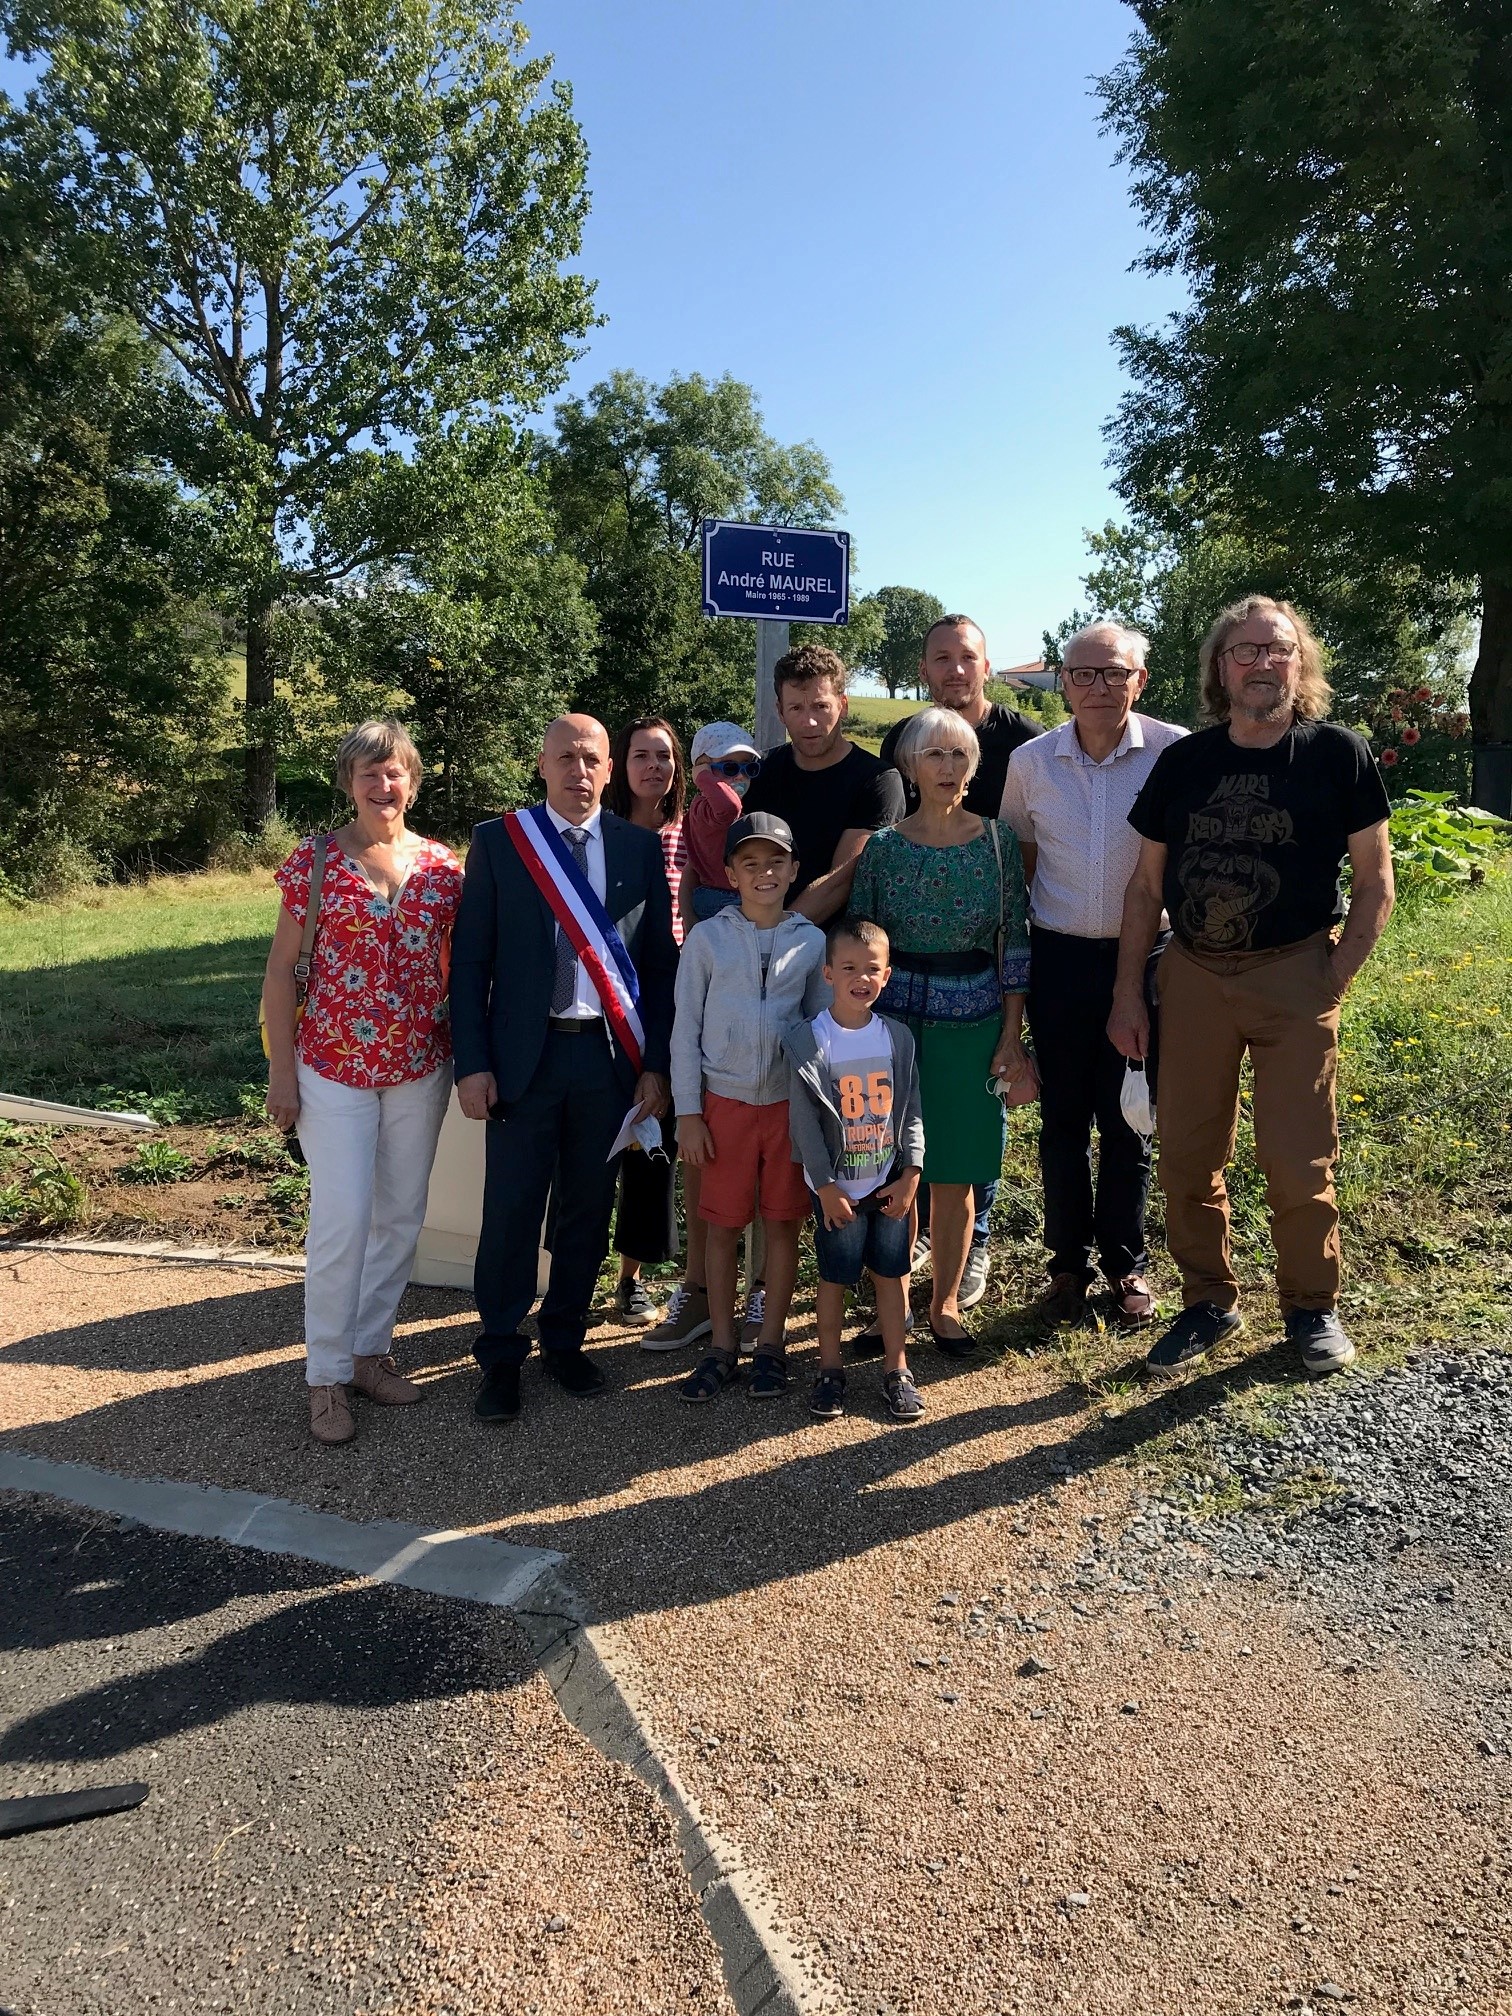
{"x": 1133, "y": 1303}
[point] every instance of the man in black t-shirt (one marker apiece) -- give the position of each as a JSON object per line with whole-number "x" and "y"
{"x": 955, "y": 669}
{"x": 1243, "y": 828}
{"x": 833, "y": 795}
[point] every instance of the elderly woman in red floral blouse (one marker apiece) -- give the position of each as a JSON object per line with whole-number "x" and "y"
{"x": 365, "y": 1072}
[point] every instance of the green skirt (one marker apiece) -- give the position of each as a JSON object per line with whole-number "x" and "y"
{"x": 965, "y": 1126}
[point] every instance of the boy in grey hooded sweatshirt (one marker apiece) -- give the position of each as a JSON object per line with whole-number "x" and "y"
{"x": 745, "y": 978}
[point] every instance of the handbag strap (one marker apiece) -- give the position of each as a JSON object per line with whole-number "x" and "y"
{"x": 1002, "y": 923}
{"x": 312, "y": 917}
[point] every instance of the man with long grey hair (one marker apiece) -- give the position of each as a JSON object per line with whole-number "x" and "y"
{"x": 1068, "y": 796}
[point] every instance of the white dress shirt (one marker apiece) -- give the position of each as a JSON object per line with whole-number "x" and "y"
{"x": 1076, "y": 812}
{"x": 585, "y": 1002}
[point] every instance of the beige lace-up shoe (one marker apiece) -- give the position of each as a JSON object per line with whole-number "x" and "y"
{"x": 331, "y": 1415}
{"x": 379, "y": 1380}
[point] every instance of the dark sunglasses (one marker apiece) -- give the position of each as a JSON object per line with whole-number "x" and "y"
{"x": 726, "y": 766}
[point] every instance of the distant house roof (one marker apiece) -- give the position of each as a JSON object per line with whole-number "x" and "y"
{"x": 1032, "y": 674}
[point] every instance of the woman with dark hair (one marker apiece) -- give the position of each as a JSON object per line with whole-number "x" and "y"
{"x": 648, "y": 786}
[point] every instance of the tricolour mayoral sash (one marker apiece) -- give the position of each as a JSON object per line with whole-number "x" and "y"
{"x": 586, "y": 923}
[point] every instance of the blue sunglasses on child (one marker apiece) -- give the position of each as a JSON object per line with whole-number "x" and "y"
{"x": 726, "y": 766}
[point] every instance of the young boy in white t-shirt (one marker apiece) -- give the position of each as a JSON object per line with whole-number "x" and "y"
{"x": 853, "y": 1107}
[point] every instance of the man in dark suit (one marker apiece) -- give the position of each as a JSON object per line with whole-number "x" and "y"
{"x": 537, "y": 1059}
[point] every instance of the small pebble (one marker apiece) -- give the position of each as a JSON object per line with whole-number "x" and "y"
{"x": 556, "y": 1924}
{"x": 1077, "y": 1900}
{"x": 1330, "y": 1991}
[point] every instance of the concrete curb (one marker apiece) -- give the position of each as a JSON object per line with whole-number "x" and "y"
{"x": 593, "y": 1684}
{"x": 189, "y": 1256}
{"x": 596, "y": 1691}
{"x": 471, "y": 1566}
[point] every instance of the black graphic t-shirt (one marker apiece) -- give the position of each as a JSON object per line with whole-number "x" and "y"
{"x": 1255, "y": 837}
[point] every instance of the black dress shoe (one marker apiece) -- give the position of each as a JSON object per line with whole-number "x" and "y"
{"x": 575, "y": 1371}
{"x": 499, "y": 1395}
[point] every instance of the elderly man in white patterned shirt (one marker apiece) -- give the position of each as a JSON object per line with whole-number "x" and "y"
{"x": 1067, "y": 797}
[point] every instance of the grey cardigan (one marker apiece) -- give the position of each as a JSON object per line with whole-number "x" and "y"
{"x": 817, "y": 1129}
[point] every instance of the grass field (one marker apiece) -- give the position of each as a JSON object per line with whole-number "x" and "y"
{"x": 149, "y": 989}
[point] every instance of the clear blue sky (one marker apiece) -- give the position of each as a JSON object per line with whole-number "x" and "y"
{"x": 902, "y": 226}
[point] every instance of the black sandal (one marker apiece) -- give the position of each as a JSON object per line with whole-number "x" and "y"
{"x": 769, "y": 1376}
{"x": 708, "y": 1378}
{"x": 953, "y": 1347}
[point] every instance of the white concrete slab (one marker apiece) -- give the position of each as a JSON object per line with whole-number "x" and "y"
{"x": 472, "y": 1566}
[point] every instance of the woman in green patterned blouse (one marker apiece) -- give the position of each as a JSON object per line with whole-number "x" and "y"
{"x": 943, "y": 885}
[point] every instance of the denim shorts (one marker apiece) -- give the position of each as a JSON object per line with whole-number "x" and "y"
{"x": 871, "y": 1239}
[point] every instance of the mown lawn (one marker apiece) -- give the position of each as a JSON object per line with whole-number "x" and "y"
{"x": 147, "y": 989}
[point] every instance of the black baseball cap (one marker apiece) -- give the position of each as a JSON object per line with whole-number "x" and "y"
{"x": 760, "y": 826}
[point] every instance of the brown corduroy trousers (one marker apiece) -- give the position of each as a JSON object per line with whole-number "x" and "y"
{"x": 1282, "y": 1007}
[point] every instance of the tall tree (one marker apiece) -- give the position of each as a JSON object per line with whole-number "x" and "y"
{"x": 111, "y": 691}
{"x": 1169, "y": 570}
{"x": 345, "y": 224}
{"x": 632, "y": 472}
{"x": 906, "y": 615}
{"x": 479, "y": 640}
{"x": 1334, "y": 183}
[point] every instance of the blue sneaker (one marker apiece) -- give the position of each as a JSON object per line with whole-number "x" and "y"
{"x": 1192, "y": 1336}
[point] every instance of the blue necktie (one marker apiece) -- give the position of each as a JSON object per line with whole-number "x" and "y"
{"x": 564, "y": 980}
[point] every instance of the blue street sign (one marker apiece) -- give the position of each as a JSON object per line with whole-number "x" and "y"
{"x": 775, "y": 572}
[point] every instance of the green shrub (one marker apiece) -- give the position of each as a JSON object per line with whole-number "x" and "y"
{"x": 1439, "y": 848}
{"x": 44, "y": 1196}
{"x": 270, "y": 848}
{"x": 158, "y": 1162}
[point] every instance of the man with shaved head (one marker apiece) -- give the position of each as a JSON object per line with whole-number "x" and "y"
{"x": 563, "y": 961}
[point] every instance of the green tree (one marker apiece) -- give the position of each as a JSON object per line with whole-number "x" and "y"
{"x": 345, "y": 224}
{"x": 632, "y": 472}
{"x": 1333, "y": 184}
{"x": 478, "y": 642}
{"x": 906, "y": 614}
{"x": 111, "y": 689}
{"x": 1169, "y": 573}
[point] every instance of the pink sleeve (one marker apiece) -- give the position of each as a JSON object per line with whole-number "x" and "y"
{"x": 716, "y": 803}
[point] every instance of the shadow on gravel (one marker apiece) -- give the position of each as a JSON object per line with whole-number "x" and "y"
{"x": 564, "y": 1477}
{"x": 336, "y": 1643}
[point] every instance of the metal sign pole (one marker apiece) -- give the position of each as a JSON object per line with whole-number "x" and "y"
{"x": 771, "y": 644}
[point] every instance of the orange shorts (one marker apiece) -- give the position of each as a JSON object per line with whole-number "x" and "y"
{"x": 752, "y": 1172}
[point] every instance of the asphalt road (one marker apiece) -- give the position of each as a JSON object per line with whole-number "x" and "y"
{"x": 299, "y": 1732}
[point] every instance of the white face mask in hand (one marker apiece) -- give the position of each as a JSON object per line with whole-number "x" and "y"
{"x": 1134, "y": 1100}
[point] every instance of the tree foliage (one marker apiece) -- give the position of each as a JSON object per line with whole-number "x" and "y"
{"x": 478, "y": 642}
{"x": 110, "y": 689}
{"x": 905, "y": 616}
{"x": 1333, "y": 184}
{"x": 345, "y": 225}
{"x": 631, "y": 473}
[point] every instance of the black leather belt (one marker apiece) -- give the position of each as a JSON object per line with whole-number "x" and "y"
{"x": 574, "y": 1025}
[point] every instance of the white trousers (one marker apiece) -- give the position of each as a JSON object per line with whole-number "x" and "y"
{"x": 369, "y": 1155}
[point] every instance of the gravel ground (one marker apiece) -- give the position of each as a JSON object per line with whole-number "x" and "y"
{"x": 1385, "y": 1503}
{"x": 1196, "y": 1807}
{"x": 361, "y": 1799}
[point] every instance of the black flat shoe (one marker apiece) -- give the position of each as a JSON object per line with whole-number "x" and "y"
{"x": 499, "y": 1395}
{"x": 953, "y": 1347}
{"x": 575, "y": 1372}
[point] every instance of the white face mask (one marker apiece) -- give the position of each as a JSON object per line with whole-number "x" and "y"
{"x": 647, "y": 1134}
{"x": 1134, "y": 1101}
